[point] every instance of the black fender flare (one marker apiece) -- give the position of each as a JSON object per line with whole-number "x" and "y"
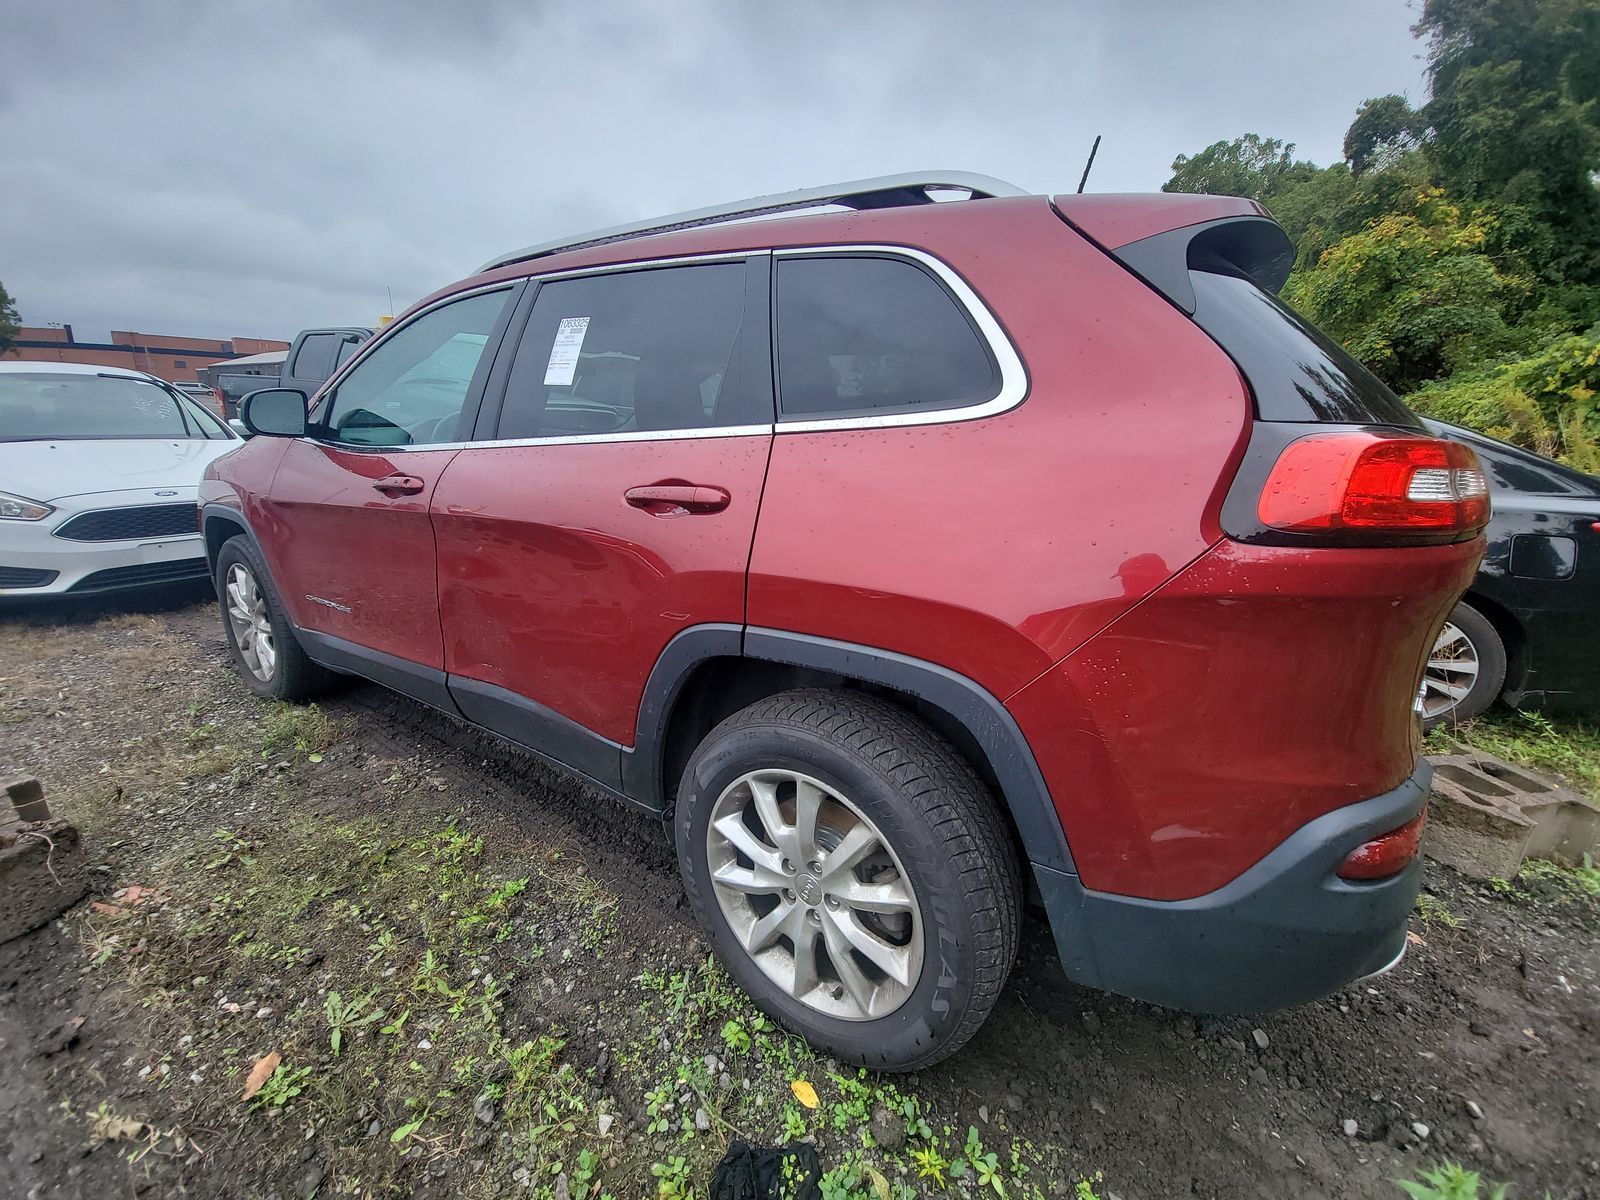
{"x": 985, "y": 718}
{"x": 228, "y": 515}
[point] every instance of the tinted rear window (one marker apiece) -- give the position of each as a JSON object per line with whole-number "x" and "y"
{"x": 1297, "y": 372}
{"x": 873, "y": 335}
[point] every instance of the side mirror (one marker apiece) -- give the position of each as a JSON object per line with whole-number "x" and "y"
{"x": 275, "y": 412}
{"x": 239, "y": 427}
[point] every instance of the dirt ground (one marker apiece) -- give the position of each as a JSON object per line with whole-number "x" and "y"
{"x": 478, "y": 979}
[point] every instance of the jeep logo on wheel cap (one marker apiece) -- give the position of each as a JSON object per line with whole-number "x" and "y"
{"x": 810, "y": 890}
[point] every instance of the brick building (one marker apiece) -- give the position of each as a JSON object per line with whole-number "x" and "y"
{"x": 172, "y": 358}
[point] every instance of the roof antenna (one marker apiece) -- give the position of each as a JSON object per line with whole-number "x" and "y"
{"x": 1092, "y": 151}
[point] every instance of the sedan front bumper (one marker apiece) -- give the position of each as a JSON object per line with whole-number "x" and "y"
{"x": 36, "y": 561}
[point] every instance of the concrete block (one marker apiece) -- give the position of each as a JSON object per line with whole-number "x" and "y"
{"x": 27, "y": 798}
{"x": 1486, "y": 816}
{"x": 43, "y": 873}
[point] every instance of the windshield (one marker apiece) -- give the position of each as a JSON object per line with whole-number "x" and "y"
{"x": 54, "y": 407}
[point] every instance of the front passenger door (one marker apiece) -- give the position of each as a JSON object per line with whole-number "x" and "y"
{"x": 353, "y": 542}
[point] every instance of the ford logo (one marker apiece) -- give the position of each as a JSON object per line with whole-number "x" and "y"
{"x": 168, "y": 492}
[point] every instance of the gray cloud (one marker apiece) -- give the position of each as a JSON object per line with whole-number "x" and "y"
{"x": 217, "y": 168}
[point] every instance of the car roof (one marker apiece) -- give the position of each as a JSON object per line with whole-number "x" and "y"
{"x": 65, "y": 368}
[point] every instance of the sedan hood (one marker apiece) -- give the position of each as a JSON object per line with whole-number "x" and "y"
{"x": 48, "y": 471}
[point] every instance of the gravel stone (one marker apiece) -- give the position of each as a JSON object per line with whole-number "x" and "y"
{"x": 888, "y": 1130}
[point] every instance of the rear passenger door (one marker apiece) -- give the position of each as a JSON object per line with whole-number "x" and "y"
{"x": 610, "y": 502}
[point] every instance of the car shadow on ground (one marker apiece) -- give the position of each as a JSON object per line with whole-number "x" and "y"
{"x": 69, "y": 611}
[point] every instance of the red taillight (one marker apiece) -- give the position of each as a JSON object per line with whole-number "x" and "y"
{"x": 1359, "y": 483}
{"x": 1386, "y": 855}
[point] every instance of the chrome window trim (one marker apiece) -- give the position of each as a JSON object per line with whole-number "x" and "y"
{"x": 647, "y": 264}
{"x": 1013, "y": 375}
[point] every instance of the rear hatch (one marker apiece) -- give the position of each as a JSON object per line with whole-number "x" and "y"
{"x": 1297, "y": 643}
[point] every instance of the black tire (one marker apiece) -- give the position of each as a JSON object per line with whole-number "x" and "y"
{"x": 1489, "y": 651}
{"x": 294, "y": 676}
{"x": 941, "y": 824}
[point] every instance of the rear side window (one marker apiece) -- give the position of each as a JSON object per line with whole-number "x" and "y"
{"x": 872, "y": 335}
{"x": 633, "y": 352}
{"x": 314, "y": 360}
{"x": 1296, "y": 371}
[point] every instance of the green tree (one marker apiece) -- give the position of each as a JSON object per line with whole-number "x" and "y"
{"x": 1251, "y": 166}
{"x": 10, "y": 322}
{"x": 1545, "y": 401}
{"x": 1414, "y": 296}
{"x": 1514, "y": 115}
{"x": 1384, "y": 128}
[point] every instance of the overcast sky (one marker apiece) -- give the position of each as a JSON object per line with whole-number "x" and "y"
{"x": 218, "y": 169}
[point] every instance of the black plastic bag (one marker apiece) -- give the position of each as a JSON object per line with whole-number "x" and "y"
{"x": 757, "y": 1173}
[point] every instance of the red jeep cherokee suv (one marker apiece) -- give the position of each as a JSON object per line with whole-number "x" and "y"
{"x": 911, "y": 560}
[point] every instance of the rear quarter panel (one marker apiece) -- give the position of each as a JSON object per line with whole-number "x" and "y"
{"x": 995, "y": 547}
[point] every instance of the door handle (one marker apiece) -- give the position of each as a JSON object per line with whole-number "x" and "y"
{"x": 668, "y": 499}
{"x": 400, "y": 485}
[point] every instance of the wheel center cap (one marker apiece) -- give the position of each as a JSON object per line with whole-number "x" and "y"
{"x": 810, "y": 890}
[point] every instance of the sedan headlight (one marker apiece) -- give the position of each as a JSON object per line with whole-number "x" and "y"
{"x": 20, "y": 508}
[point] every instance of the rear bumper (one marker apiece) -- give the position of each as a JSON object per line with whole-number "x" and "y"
{"x": 1287, "y": 931}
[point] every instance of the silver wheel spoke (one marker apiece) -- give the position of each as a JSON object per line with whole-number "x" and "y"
{"x": 246, "y": 610}
{"x": 766, "y": 930}
{"x": 891, "y": 960}
{"x": 807, "y": 804}
{"x": 779, "y": 832}
{"x": 793, "y": 863}
{"x": 1451, "y": 673}
{"x": 844, "y": 964}
{"x": 756, "y": 881}
{"x": 733, "y": 828}
{"x": 1456, "y": 691}
{"x": 876, "y": 897}
{"x": 804, "y": 980}
{"x": 857, "y": 844}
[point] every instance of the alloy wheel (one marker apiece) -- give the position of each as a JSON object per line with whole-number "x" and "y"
{"x": 815, "y": 894}
{"x": 1450, "y": 675}
{"x": 251, "y": 625}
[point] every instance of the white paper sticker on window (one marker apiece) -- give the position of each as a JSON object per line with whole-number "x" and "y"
{"x": 563, "y": 364}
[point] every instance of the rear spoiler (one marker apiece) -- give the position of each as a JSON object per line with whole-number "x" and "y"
{"x": 1161, "y": 238}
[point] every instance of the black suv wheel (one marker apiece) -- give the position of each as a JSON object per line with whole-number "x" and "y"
{"x": 852, "y": 873}
{"x": 259, "y": 634}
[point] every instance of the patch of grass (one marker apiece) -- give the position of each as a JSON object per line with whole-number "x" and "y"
{"x": 1583, "y": 880}
{"x": 301, "y": 729}
{"x": 1433, "y": 911}
{"x": 1449, "y": 1181}
{"x": 1565, "y": 747}
{"x": 416, "y": 988}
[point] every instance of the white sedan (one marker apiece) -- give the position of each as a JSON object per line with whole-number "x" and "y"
{"x": 99, "y": 468}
